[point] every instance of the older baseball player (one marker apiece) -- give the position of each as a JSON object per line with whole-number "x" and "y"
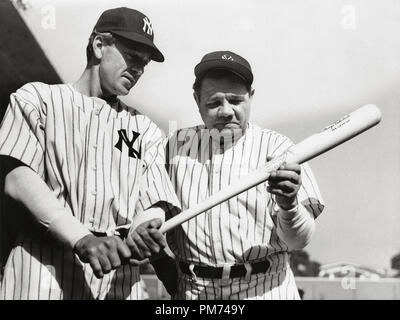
{"x": 86, "y": 165}
{"x": 239, "y": 249}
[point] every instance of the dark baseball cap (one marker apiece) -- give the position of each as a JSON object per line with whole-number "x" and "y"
{"x": 129, "y": 24}
{"x": 224, "y": 60}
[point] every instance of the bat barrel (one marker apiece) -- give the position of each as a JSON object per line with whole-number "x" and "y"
{"x": 335, "y": 134}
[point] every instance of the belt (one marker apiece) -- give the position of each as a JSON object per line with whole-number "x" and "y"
{"x": 236, "y": 271}
{"x": 122, "y": 233}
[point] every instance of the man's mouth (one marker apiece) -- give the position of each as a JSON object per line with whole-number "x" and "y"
{"x": 226, "y": 124}
{"x": 129, "y": 78}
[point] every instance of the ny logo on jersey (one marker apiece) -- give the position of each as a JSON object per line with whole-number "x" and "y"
{"x": 123, "y": 137}
{"x": 147, "y": 27}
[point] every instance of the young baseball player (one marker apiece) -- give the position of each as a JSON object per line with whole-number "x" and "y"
{"x": 89, "y": 165}
{"x": 239, "y": 249}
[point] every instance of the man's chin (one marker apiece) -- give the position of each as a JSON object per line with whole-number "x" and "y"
{"x": 231, "y": 131}
{"x": 229, "y": 128}
{"x": 123, "y": 91}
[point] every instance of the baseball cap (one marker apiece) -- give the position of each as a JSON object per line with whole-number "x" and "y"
{"x": 129, "y": 24}
{"x": 224, "y": 60}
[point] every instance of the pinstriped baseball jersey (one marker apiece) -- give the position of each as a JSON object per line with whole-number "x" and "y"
{"x": 104, "y": 162}
{"x": 242, "y": 229}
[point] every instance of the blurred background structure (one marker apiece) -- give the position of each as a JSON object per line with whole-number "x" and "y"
{"x": 337, "y": 281}
{"x": 22, "y": 59}
{"x": 313, "y": 62}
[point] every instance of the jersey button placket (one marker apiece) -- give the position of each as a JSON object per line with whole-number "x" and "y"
{"x": 96, "y": 123}
{"x": 216, "y": 171}
{"x": 214, "y": 216}
{"x": 219, "y": 219}
{"x": 92, "y": 154}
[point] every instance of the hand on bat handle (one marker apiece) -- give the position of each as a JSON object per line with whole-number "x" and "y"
{"x": 145, "y": 241}
{"x": 284, "y": 183}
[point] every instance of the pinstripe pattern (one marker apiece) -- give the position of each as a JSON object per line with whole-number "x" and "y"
{"x": 241, "y": 229}
{"x": 69, "y": 139}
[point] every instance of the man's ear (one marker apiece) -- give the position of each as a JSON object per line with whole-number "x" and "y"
{"x": 251, "y": 94}
{"x": 97, "y": 47}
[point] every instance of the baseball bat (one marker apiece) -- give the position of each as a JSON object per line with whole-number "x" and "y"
{"x": 333, "y": 135}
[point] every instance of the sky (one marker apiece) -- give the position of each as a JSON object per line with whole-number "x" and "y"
{"x": 313, "y": 62}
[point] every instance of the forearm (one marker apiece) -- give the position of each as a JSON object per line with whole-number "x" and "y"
{"x": 295, "y": 228}
{"x": 25, "y": 186}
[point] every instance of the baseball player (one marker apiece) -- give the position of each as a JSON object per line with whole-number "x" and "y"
{"x": 89, "y": 165}
{"x": 239, "y": 249}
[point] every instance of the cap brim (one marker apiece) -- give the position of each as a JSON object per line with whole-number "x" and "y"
{"x": 156, "y": 54}
{"x": 203, "y": 67}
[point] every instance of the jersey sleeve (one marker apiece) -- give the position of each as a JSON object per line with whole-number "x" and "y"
{"x": 156, "y": 187}
{"x": 309, "y": 195}
{"x": 22, "y": 129}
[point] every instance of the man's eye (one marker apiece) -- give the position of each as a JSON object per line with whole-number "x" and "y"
{"x": 235, "y": 101}
{"x": 213, "y": 104}
{"x": 130, "y": 57}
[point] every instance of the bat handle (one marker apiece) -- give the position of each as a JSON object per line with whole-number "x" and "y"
{"x": 169, "y": 225}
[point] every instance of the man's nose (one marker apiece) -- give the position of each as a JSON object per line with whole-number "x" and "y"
{"x": 137, "y": 71}
{"x": 226, "y": 110}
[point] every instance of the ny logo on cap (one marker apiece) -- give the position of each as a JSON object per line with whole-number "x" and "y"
{"x": 147, "y": 27}
{"x": 226, "y": 57}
